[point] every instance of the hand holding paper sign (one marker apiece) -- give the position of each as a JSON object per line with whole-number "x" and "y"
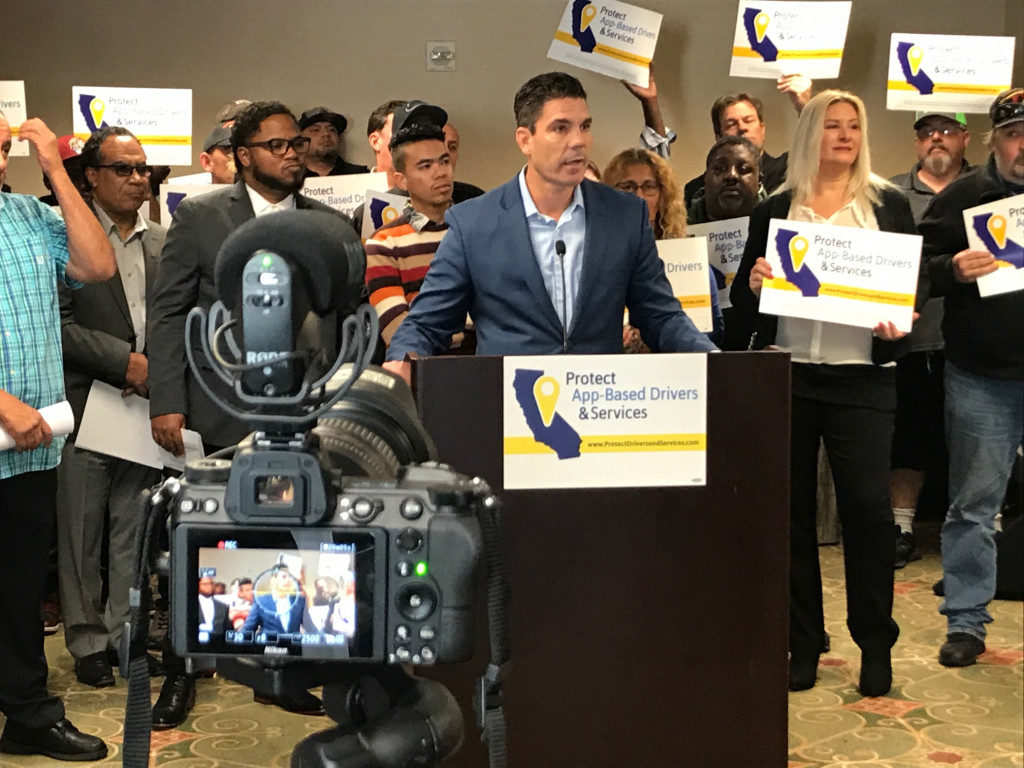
{"x": 762, "y": 271}
{"x": 36, "y": 132}
{"x": 969, "y": 265}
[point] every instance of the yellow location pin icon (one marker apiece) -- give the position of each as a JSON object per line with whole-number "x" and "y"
{"x": 997, "y": 228}
{"x": 96, "y": 106}
{"x": 914, "y": 56}
{"x": 587, "y": 16}
{"x": 389, "y": 214}
{"x": 797, "y": 250}
{"x": 761, "y": 24}
{"x": 545, "y": 392}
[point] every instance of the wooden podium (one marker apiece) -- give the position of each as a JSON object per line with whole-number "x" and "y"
{"x": 649, "y": 625}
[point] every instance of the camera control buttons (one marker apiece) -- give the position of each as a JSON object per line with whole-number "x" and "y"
{"x": 363, "y": 509}
{"x": 411, "y": 509}
{"x": 402, "y": 633}
{"x": 403, "y": 568}
{"x": 210, "y": 506}
{"x": 416, "y": 601}
{"x": 427, "y": 633}
{"x": 409, "y": 540}
{"x": 427, "y": 654}
{"x": 402, "y": 653}
{"x": 186, "y": 506}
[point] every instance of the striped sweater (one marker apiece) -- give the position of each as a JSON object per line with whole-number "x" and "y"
{"x": 397, "y": 259}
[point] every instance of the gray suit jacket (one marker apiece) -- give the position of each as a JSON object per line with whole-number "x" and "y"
{"x": 200, "y": 226}
{"x": 96, "y": 327}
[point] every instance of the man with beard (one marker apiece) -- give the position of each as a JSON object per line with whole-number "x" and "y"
{"x": 546, "y": 262}
{"x": 268, "y": 149}
{"x": 103, "y": 331}
{"x": 984, "y": 379}
{"x": 731, "y": 189}
{"x": 918, "y": 439}
{"x": 323, "y": 128}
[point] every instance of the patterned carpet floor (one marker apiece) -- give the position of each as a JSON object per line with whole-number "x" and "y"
{"x": 933, "y": 717}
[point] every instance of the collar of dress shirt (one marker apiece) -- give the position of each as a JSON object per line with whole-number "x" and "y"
{"x": 261, "y": 205}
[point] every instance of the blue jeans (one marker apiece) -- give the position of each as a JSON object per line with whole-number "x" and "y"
{"x": 984, "y": 426}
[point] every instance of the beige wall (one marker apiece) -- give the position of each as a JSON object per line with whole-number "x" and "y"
{"x": 355, "y": 54}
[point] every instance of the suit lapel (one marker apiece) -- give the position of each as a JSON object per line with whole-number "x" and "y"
{"x": 240, "y": 209}
{"x": 521, "y": 253}
{"x": 116, "y": 287}
{"x": 151, "y": 260}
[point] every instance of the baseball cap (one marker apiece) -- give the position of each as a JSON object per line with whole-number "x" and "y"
{"x": 218, "y": 137}
{"x": 229, "y": 111}
{"x": 417, "y": 113}
{"x": 322, "y": 115}
{"x": 957, "y": 117}
{"x": 1007, "y": 108}
{"x": 69, "y": 147}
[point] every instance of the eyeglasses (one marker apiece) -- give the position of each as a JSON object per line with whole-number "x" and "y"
{"x": 280, "y": 147}
{"x": 924, "y": 132}
{"x": 124, "y": 170}
{"x": 648, "y": 187}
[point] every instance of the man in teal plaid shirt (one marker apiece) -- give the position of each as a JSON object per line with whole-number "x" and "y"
{"x": 37, "y": 248}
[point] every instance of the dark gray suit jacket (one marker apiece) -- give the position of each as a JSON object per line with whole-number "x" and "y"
{"x": 200, "y": 226}
{"x": 96, "y": 327}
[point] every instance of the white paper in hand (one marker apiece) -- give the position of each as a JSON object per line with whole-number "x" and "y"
{"x": 58, "y": 416}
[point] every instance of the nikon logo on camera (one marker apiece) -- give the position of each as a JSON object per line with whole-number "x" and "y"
{"x": 264, "y": 357}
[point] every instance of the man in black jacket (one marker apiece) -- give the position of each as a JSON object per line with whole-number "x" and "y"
{"x": 984, "y": 380}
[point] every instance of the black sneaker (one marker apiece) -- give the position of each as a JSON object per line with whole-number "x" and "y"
{"x": 906, "y": 551}
{"x": 960, "y": 650}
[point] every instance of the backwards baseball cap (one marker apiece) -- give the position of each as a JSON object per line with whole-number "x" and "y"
{"x": 1007, "y": 108}
{"x": 218, "y": 137}
{"x": 417, "y": 113}
{"x": 69, "y": 147}
{"x": 322, "y": 115}
{"x": 956, "y": 117}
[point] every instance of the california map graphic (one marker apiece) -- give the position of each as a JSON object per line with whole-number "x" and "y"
{"x": 92, "y": 110}
{"x": 583, "y": 12}
{"x": 991, "y": 228}
{"x": 792, "y": 248}
{"x": 556, "y": 434}
{"x": 755, "y": 23}
{"x": 909, "y": 57}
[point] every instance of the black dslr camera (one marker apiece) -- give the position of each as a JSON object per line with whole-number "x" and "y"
{"x": 351, "y": 551}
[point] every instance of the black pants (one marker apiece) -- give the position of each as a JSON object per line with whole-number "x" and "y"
{"x": 27, "y": 520}
{"x": 857, "y": 440}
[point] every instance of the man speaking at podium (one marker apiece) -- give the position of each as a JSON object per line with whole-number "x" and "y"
{"x": 545, "y": 263}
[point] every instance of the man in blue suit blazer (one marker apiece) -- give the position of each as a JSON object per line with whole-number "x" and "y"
{"x": 281, "y": 610}
{"x": 545, "y": 263}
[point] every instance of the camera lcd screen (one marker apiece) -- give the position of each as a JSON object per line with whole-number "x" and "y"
{"x": 302, "y": 592}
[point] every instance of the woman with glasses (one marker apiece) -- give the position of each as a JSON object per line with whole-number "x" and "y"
{"x": 843, "y": 391}
{"x": 652, "y": 179}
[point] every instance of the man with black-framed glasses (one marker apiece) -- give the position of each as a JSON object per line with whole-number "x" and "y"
{"x": 269, "y": 150}
{"x": 919, "y": 444}
{"x": 103, "y": 330}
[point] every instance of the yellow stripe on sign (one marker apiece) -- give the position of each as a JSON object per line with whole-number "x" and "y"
{"x": 614, "y": 444}
{"x": 750, "y": 53}
{"x": 691, "y": 302}
{"x": 961, "y": 89}
{"x": 606, "y": 50}
{"x": 848, "y": 292}
{"x": 179, "y": 141}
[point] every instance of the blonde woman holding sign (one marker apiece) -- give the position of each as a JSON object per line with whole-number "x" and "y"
{"x": 843, "y": 390}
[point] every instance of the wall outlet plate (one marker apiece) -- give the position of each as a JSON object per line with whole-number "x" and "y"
{"x": 440, "y": 56}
